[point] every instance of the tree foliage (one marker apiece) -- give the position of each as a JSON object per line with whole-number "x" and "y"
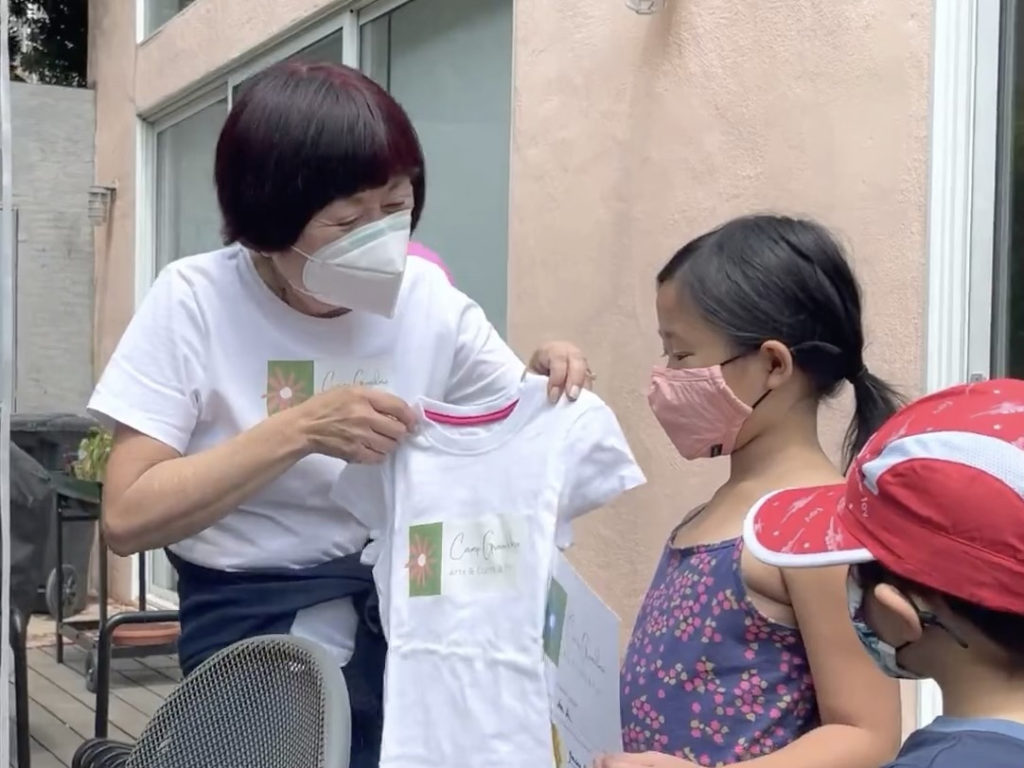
{"x": 49, "y": 41}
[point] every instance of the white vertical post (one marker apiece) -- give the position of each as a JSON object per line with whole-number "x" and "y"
{"x": 351, "y": 39}
{"x": 961, "y": 208}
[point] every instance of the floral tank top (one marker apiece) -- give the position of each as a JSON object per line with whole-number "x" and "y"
{"x": 707, "y": 677}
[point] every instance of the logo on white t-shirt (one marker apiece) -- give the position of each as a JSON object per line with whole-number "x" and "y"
{"x": 465, "y": 557}
{"x": 291, "y": 382}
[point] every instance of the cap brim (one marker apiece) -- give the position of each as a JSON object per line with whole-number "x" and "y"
{"x": 802, "y": 528}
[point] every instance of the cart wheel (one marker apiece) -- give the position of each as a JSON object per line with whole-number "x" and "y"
{"x": 90, "y": 671}
{"x": 70, "y": 576}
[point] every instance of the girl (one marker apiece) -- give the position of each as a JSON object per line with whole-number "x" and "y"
{"x": 732, "y": 660}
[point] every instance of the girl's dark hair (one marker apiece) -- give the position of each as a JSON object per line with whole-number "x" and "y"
{"x": 299, "y": 137}
{"x": 763, "y": 278}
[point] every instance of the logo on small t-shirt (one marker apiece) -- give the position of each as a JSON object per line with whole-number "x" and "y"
{"x": 465, "y": 557}
{"x": 291, "y": 382}
{"x": 425, "y": 543}
{"x": 554, "y": 623}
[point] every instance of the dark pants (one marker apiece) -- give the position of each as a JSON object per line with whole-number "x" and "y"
{"x": 221, "y": 608}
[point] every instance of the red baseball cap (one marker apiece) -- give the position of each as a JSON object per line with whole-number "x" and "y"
{"x": 936, "y": 496}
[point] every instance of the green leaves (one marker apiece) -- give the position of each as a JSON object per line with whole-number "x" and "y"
{"x": 93, "y": 452}
{"x": 49, "y": 41}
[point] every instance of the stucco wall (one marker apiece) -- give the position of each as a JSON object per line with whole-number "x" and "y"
{"x": 112, "y": 74}
{"x": 52, "y": 134}
{"x": 633, "y": 134}
{"x": 193, "y": 44}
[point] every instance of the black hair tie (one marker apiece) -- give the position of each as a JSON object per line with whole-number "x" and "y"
{"x": 858, "y": 376}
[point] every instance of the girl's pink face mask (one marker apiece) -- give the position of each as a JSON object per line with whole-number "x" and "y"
{"x": 699, "y": 412}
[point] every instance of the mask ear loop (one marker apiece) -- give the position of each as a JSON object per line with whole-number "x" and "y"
{"x": 733, "y": 359}
{"x": 929, "y": 619}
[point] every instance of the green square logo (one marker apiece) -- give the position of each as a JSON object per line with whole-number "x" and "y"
{"x": 425, "y": 542}
{"x": 554, "y": 620}
{"x": 289, "y": 382}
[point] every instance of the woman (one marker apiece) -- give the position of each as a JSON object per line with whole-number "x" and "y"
{"x": 251, "y": 375}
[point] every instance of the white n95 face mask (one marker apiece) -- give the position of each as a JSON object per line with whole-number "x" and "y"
{"x": 362, "y": 270}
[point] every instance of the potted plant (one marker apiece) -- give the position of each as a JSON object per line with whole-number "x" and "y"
{"x": 88, "y": 469}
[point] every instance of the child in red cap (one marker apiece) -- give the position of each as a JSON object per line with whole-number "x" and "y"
{"x": 931, "y": 522}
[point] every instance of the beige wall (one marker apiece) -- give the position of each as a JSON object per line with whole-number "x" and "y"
{"x": 631, "y": 135}
{"x": 112, "y": 74}
{"x": 193, "y": 44}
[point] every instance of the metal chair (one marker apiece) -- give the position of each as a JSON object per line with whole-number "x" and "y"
{"x": 269, "y": 702}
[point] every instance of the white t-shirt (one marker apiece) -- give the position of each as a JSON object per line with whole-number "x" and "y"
{"x": 465, "y": 547}
{"x": 212, "y": 352}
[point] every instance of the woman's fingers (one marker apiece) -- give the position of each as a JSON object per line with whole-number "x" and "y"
{"x": 379, "y": 443}
{"x": 392, "y": 406}
{"x": 386, "y": 426}
{"x": 577, "y": 375}
{"x": 566, "y": 369}
{"x": 558, "y": 371}
{"x": 364, "y": 454}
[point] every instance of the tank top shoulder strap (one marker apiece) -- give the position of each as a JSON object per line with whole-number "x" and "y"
{"x": 691, "y": 516}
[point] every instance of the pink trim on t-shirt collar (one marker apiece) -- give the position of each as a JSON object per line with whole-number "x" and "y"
{"x": 471, "y": 421}
{"x": 421, "y": 251}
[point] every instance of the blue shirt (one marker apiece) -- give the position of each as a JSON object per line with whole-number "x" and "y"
{"x": 956, "y": 742}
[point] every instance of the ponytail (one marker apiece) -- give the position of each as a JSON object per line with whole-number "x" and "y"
{"x": 763, "y": 278}
{"x": 875, "y": 402}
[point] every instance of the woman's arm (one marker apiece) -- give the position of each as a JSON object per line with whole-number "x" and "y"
{"x": 153, "y": 496}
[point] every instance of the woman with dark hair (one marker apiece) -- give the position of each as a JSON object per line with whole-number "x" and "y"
{"x": 732, "y": 660}
{"x": 249, "y": 376}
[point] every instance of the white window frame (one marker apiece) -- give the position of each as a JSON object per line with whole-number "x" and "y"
{"x": 141, "y": 14}
{"x": 961, "y": 210}
{"x": 348, "y": 17}
{"x": 14, "y": 313}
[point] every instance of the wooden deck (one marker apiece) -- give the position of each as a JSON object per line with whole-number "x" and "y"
{"x": 61, "y": 709}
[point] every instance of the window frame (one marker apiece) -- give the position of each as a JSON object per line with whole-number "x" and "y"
{"x": 142, "y": 21}
{"x": 961, "y": 210}
{"x": 1003, "y": 240}
{"x": 222, "y": 85}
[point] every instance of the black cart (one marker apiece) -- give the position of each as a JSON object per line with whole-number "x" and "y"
{"x": 106, "y": 637}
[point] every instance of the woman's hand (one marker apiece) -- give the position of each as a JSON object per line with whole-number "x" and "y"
{"x": 566, "y": 368}
{"x": 361, "y": 426}
{"x": 643, "y": 760}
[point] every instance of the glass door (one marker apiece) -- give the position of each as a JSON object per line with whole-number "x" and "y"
{"x": 186, "y": 221}
{"x": 449, "y": 64}
{"x": 1008, "y": 263}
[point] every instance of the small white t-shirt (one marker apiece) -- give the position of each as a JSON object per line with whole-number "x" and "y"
{"x": 466, "y": 523}
{"x": 212, "y": 351}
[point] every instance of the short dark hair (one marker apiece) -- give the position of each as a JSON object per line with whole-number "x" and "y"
{"x": 765, "y": 277}
{"x": 1002, "y": 628}
{"x": 301, "y": 136}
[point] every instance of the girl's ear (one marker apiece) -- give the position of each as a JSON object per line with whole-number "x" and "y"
{"x": 778, "y": 362}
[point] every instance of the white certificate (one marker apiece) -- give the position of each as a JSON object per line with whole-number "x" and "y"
{"x": 581, "y": 643}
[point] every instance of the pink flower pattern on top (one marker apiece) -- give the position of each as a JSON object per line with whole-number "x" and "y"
{"x": 707, "y": 677}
